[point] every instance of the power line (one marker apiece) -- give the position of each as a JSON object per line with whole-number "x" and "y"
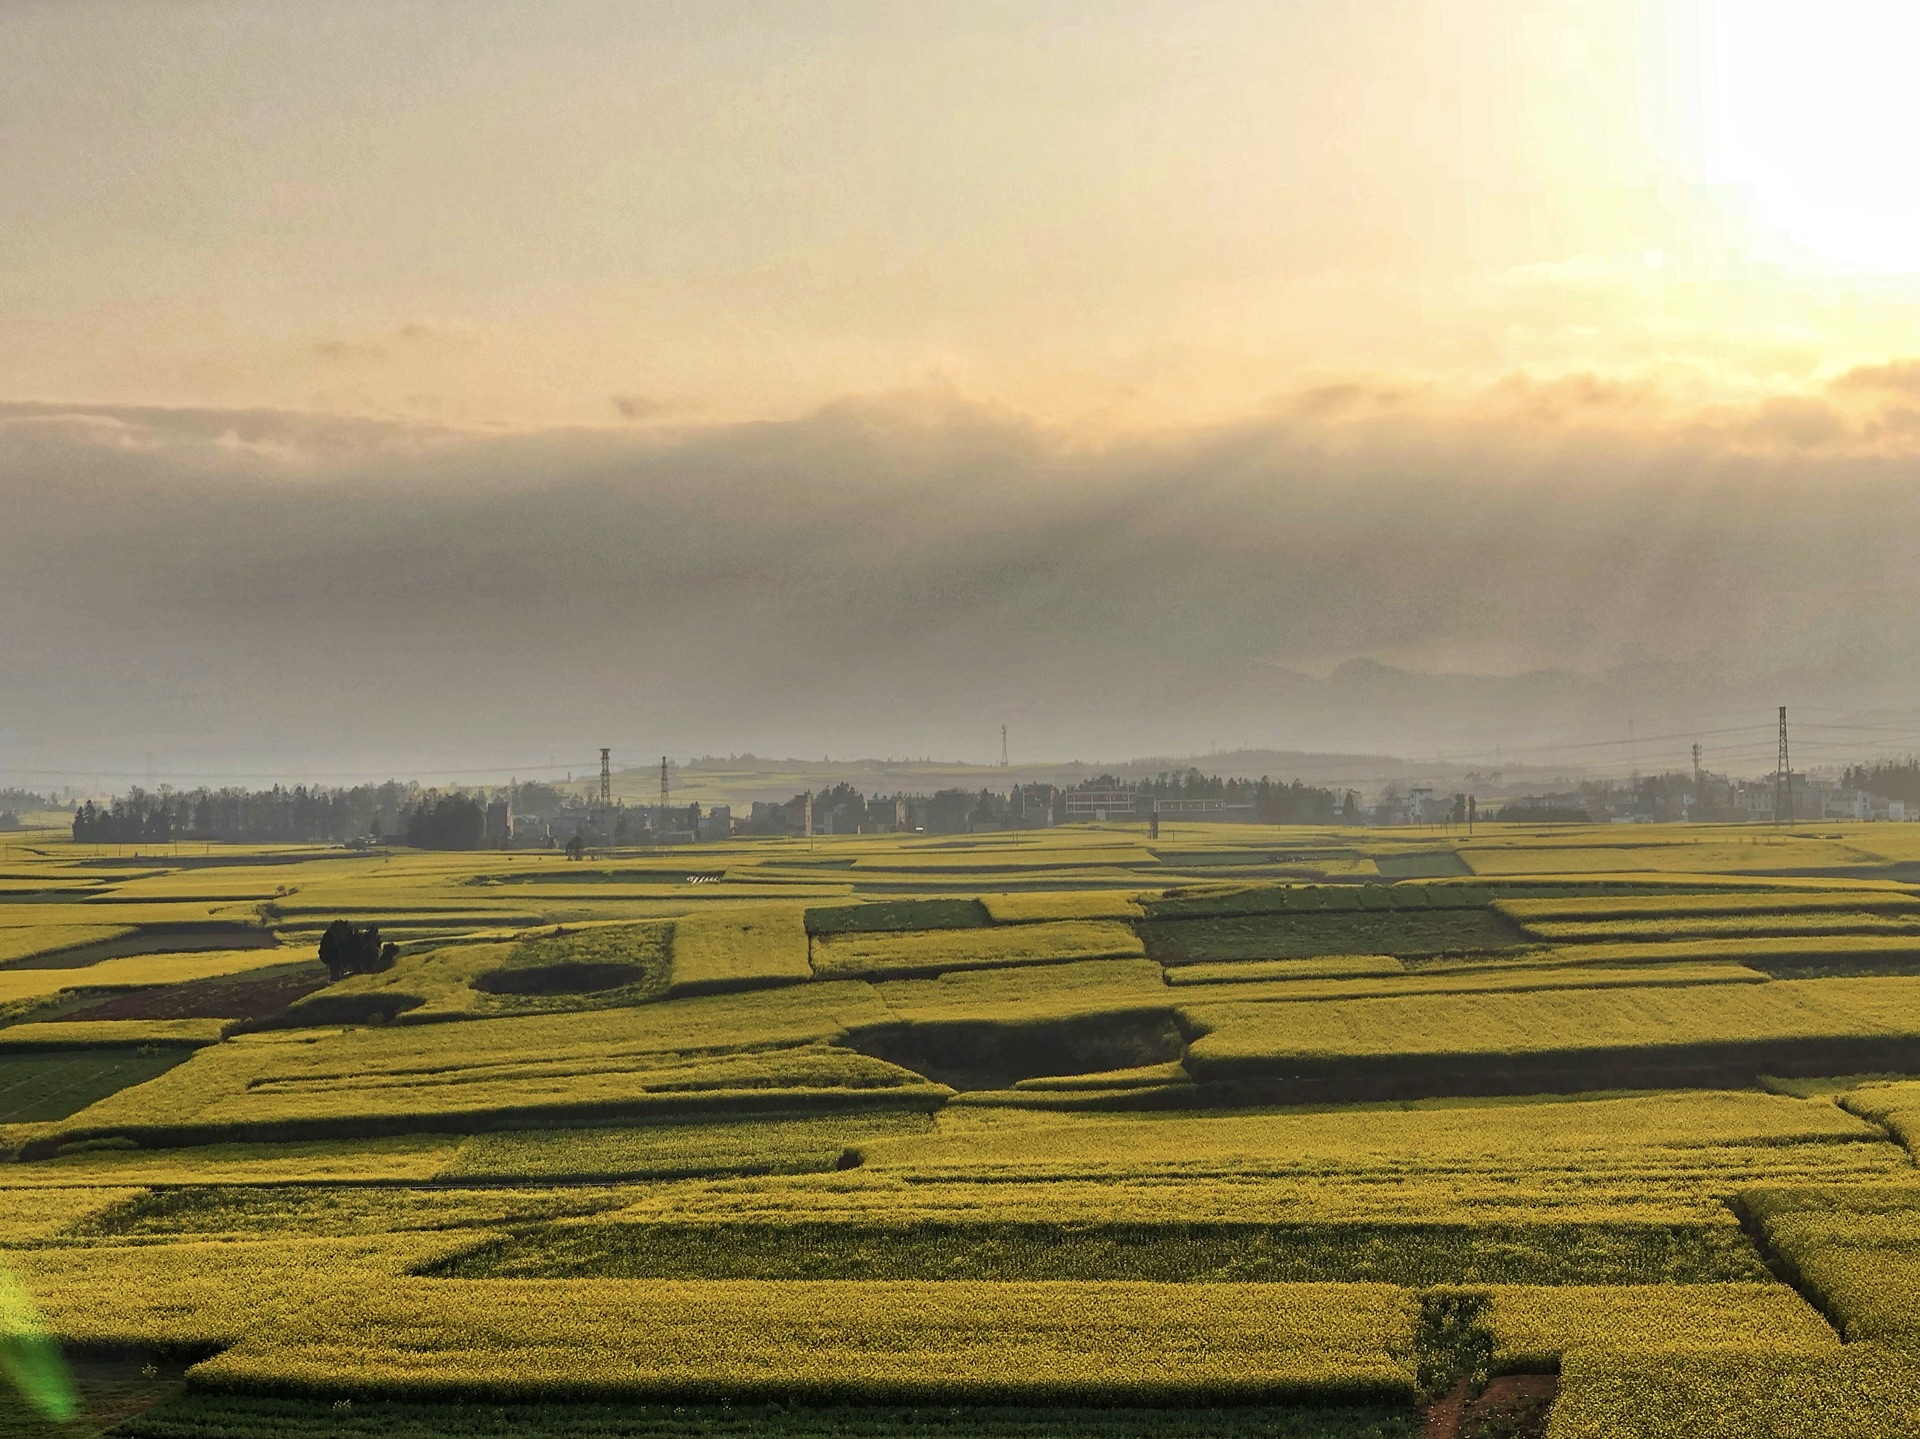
{"x": 1454, "y": 756}
{"x": 1907, "y": 730}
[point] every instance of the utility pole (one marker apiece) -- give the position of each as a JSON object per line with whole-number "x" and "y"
{"x": 1783, "y": 779}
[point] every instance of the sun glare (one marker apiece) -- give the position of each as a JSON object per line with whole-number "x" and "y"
{"x": 1814, "y": 116}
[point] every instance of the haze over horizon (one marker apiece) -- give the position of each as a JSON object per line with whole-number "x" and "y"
{"x": 380, "y": 394}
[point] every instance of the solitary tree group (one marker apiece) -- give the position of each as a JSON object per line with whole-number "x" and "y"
{"x": 347, "y": 948}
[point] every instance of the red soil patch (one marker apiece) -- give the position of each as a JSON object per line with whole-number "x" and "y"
{"x": 1515, "y": 1406}
{"x": 255, "y": 1000}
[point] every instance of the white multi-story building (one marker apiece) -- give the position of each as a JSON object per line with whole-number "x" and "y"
{"x": 1085, "y": 804}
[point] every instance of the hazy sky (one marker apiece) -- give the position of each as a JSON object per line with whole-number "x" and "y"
{"x": 736, "y": 373}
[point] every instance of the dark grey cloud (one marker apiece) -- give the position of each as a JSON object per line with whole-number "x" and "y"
{"x": 904, "y": 576}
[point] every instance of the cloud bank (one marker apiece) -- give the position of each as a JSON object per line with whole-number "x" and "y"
{"x": 1363, "y": 567}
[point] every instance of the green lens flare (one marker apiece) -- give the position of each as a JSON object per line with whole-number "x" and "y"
{"x": 29, "y": 1356}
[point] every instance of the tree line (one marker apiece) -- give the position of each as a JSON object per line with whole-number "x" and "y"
{"x": 23, "y": 800}
{"x": 1887, "y": 778}
{"x": 842, "y": 807}
{"x": 16, "y": 802}
{"x": 1273, "y": 801}
{"x": 299, "y": 815}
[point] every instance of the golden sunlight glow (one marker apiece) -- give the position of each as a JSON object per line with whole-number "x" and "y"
{"x": 1815, "y": 113}
{"x": 1166, "y": 215}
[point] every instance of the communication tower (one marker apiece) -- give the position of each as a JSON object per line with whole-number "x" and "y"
{"x": 1783, "y": 779}
{"x": 606, "y": 780}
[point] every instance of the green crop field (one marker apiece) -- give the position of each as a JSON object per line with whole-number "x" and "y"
{"x": 1275, "y": 1132}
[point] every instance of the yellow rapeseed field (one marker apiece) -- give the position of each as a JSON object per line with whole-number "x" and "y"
{"x": 740, "y": 948}
{"x": 1535, "y": 1325}
{"x": 1865, "y": 1391}
{"x": 1255, "y": 1038}
{"x": 33, "y": 1214}
{"x": 941, "y": 950}
{"x": 24, "y": 940}
{"x": 902, "y": 1342}
{"x": 111, "y": 1033}
{"x": 193, "y": 1295}
{"x": 132, "y": 971}
{"x": 1041, "y": 905}
{"x": 1018, "y": 1119}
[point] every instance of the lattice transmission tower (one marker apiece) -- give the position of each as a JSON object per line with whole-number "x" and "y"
{"x": 1783, "y": 779}
{"x": 663, "y": 794}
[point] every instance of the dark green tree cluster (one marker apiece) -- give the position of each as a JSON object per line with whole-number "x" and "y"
{"x": 1527, "y": 812}
{"x": 534, "y": 800}
{"x": 448, "y": 821}
{"x": 841, "y": 809}
{"x": 280, "y": 815}
{"x": 348, "y": 948}
{"x": 1887, "y": 778}
{"x": 132, "y": 819}
{"x": 1273, "y": 801}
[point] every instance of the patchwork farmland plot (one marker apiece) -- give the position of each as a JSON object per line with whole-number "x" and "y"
{"x": 1278, "y": 1131}
{"x": 901, "y": 954}
{"x": 862, "y": 1341}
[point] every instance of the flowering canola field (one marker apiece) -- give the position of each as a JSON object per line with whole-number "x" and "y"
{"x": 1311, "y": 1124}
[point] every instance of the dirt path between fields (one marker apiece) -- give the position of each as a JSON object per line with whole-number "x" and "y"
{"x": 1514, "y": 1406}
